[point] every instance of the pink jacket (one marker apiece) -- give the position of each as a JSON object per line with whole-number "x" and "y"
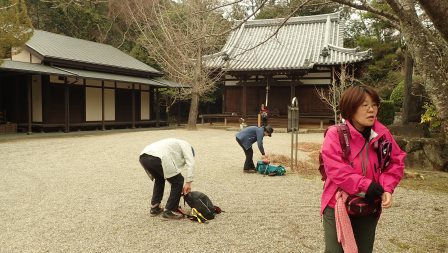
{"x": 350, "y": 178}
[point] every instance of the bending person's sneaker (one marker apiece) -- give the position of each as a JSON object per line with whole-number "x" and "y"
{"x": 156, "y": 210}
{"x": 172, "y": 215}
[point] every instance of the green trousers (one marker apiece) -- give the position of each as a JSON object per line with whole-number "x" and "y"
{"x": 363, "y": 228}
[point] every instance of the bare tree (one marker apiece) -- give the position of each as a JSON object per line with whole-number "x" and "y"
{"x": 341, "y": 80}
{"x": 177, "y": 35}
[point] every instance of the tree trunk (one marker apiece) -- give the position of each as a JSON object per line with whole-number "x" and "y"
{"x": 407, "y": 89}
{"x": 193, "y": 115}
{"x": 437, "y": 10}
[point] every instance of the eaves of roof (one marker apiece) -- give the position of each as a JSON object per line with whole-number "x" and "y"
{"x": 34, "y": 68}
{"x": 111, "y": 77}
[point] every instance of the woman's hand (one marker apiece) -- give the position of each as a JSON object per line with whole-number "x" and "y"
{"x": 187, "y": 188}
{"x": 386, "y": 200}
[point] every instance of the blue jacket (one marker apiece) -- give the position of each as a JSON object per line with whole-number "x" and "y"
{"x": 250, "y": 135}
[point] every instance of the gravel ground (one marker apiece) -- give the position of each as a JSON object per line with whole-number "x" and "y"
{"x": 86, "y": 192}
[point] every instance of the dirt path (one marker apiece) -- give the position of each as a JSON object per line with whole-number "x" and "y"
{"x": 88, "y": 193}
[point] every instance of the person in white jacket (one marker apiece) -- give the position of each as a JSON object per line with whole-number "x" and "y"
{"x": 164, "y": 160}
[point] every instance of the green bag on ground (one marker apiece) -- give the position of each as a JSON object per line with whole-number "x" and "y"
{"x": 269, "y": 169}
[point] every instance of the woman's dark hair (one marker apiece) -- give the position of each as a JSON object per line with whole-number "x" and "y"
{"x": 353, "y": 97}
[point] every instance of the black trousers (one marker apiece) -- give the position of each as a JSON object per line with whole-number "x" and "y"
{"x": 153, "y": 166}
{"x": 249, "y": 163}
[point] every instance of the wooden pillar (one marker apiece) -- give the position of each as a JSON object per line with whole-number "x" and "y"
{"x": 151, "y": 103}
{"x": 178, "y": 109}
{"x": 257, "y": 82}
{"x": 293, "y": 86}
{"x": 268, "y": 81}
{"x": 157, "y": 106}
{"x": 244, "y": 98}
{"x": 223, "y": 102}
{"x": 30, "y": 105}
{"x": 16, "y": 108}
{"x": 45, "y": 95}
{"x": 133, "y": 106}
{"x": 66, "y": 107}
{"x": 84, "y": 100}
{"x": 103, "y": 125}
{"x": 1, "y": 96}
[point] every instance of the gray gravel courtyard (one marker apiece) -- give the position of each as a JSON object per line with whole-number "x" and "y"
{"x": 86, "y": 192}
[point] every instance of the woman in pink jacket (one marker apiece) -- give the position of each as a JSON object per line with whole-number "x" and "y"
{"x": 361, "y": 175}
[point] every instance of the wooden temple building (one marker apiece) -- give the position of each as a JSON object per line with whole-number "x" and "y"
{"x": 60, "y": 82}
{"x": 271, "y": 61}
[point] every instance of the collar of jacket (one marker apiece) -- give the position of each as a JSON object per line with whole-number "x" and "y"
{"x": 357, "y": 140}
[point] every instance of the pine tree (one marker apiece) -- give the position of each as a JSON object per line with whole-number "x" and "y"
{"x": 15, "y": 26}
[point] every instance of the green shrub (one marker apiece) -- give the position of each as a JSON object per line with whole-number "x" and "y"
{"x": 397, "y": 94}
{"x": 387, "y": 112}
{"x": 430, "y": 117}
{"x": 384, "y": 92}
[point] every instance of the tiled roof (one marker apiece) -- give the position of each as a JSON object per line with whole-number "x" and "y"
{"x": 51, "y": 45}
{"x": 300, "y": 43}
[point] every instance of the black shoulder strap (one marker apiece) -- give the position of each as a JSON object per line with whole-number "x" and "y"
{"x": 384, "y": 151}
{"x": 377, "y": 148}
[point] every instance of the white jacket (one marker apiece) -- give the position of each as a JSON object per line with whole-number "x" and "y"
{"x": 175, "y": 154}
